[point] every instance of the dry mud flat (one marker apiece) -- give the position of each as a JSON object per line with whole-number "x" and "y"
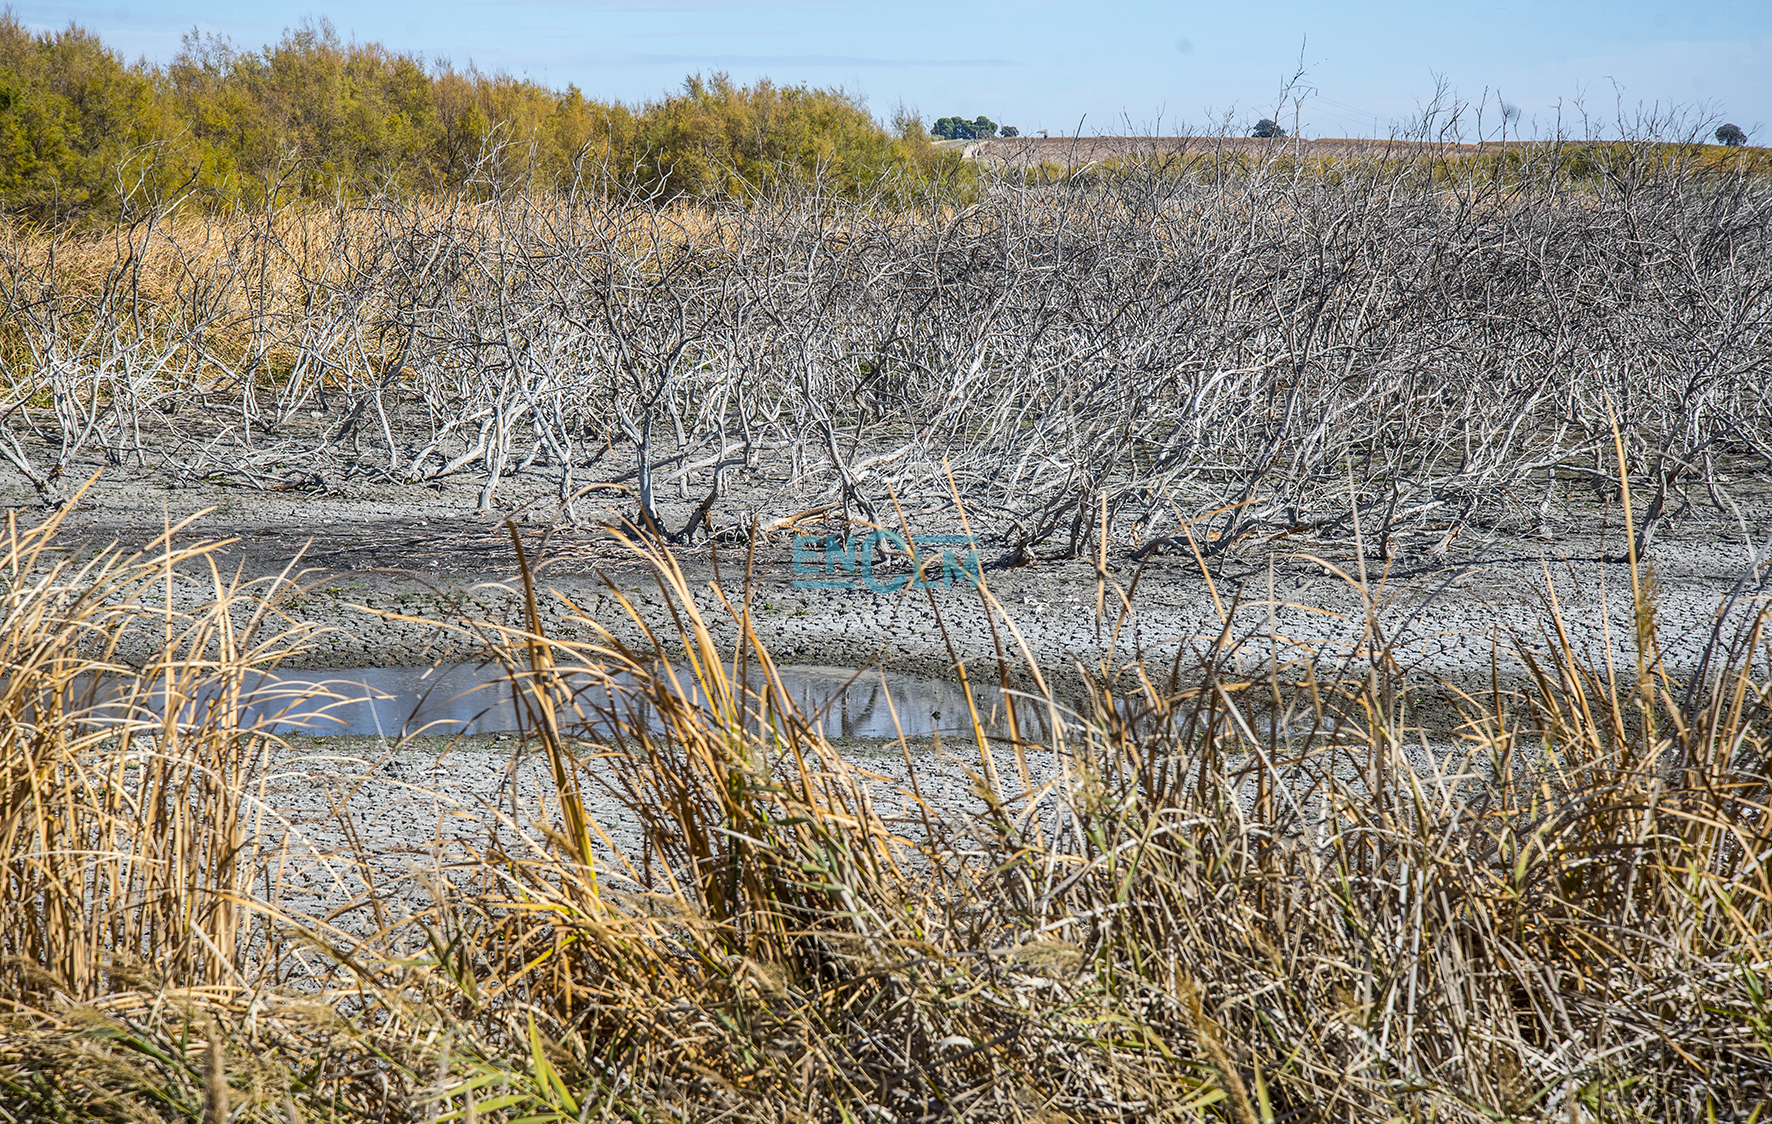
{"x": 430, "y": 807}
{"x": 370, "y": 555}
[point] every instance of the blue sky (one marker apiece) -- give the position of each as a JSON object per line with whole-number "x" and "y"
{"x": 1111, "y": 66}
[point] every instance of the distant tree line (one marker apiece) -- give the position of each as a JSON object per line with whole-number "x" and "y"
{"x": 81, "y": 131}
{"x": 979, "y": 128}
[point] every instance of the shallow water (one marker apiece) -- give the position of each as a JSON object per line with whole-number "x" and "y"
{"x": 477, "y": 699}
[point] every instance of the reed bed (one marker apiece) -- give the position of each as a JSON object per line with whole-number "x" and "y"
{"x": 1243, "y": 897}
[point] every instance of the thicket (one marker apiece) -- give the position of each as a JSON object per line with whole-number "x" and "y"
{"x": 83, "y": 134}
{"x": 1291, "y": 345}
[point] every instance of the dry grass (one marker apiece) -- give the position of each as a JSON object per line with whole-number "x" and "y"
{"x": 1073, "y": 151}
{"x": 124, "y": 782}
{"x": 1063, "y": 151}
{"x": 241, "y": 274}
{"x": 1235, "y": 898}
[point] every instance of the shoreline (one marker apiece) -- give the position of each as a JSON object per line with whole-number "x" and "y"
{"x": 368, "y": 559}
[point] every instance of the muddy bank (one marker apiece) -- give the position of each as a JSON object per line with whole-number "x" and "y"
{"x": 369, "y": 556}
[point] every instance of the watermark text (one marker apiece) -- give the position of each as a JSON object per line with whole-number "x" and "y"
{"x": 843, "y": 562}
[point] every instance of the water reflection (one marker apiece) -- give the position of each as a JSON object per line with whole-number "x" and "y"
{"x": 476, "y": 698}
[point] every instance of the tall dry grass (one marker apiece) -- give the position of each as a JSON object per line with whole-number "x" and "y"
{"x": 125, "y": 777}
{"x": 1208, "y": 895}
{"x": 222, "y": 282}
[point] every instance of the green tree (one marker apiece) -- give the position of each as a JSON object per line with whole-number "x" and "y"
{"x": 983, "y": 126}
{"x": 79, "y": 128}
{"x": 81, "y": 132}
{"x": 1731, "y": 135}
{"x": 1010, "y": 131}
{"x": 1266, "y": 127}
{"x": 953, "y": 128}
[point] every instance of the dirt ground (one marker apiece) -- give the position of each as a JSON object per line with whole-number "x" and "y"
{"x": 1068, "y": 151}
{"x": 369, "y": 553}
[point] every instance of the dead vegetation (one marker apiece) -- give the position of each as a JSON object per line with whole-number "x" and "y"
{"x": 1281, "y": 343}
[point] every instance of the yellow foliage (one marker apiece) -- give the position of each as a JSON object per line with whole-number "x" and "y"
{"x": 83, "y": 134}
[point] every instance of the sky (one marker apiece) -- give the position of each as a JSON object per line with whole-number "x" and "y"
{"x": 1113, "y": 66}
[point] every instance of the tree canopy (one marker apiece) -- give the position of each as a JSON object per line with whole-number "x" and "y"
{"x": 1267, "y": 127}
{"x": 1731, "y": 135}
{"x": 958, "y": 128}
{"x": 81, "y": 131}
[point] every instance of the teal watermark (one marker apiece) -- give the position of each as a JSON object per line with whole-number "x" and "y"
{"x": 841, "y": 562}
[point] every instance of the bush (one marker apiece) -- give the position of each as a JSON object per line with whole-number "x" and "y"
{"x": 82, "y": 133}
{"x": 74, "y": 122}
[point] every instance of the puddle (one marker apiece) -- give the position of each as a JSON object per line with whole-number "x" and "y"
{"x": 477, "y": 699}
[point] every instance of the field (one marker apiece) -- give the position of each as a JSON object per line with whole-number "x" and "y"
{"x": 1036, "y": 151}
{"x": 1385, "y": 540}
{"x": 1087, "y": 149}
